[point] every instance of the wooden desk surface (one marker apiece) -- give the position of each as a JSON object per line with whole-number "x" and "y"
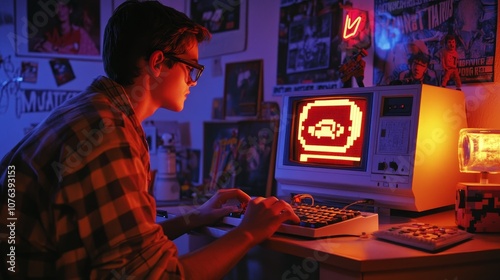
{"x": 370, "y": 255}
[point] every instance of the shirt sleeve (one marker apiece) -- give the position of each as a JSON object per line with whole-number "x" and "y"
{"x": 104, "y": 184}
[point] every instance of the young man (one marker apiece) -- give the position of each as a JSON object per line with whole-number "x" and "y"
{"x": 79, "y": 180}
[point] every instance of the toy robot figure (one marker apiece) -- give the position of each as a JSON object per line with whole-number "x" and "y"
{"x": 449, "y": 61}
{"x": 354, "y": 67}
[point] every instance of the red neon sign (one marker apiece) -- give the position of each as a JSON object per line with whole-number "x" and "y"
{"x": 352, "y": 28}
{"x": 355, "y": 23}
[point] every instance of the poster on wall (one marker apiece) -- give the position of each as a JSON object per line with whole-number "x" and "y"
{"x": 240, "y": 154}
{"x": 64, "y": 29}
{"x": 219, "y": 154}
{"x": 308, "y": 45}
{"x": 439, "y": 42}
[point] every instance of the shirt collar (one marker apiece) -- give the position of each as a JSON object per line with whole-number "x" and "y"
{"x": 115, "y": 92}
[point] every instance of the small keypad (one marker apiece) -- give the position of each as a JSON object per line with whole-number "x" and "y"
{"x": 424, "y": 236}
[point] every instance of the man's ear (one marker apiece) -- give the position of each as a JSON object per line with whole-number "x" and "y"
{"x": 155, "y": 63}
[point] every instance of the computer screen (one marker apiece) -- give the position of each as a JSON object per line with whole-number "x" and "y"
{"x": 329, "y": 131}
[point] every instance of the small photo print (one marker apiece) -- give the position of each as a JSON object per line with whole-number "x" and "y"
{"x": 29, "y": 71}
{"x": 62, "y": 71}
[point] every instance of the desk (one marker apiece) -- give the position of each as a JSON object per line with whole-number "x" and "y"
{"x": 372, "y": 259}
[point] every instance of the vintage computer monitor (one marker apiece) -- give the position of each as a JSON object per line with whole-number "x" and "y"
{"x": 396, "y": 145}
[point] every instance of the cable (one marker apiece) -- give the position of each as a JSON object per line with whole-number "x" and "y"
{"x": 361, "y": 201}
{"x": 297, "y": 199}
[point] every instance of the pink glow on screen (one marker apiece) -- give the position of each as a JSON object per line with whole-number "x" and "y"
{"x": 329, "y": 131}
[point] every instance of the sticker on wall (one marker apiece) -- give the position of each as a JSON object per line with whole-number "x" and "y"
{"x": 29, "y": 71}
{"x": 62, "y": 71}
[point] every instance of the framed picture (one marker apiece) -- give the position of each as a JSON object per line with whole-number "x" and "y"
{"x": 219, "y": 154}
{"x": 226, "y": 20}
{"x": 243, "y": 89}
{"x": 73, "y": 31}
{"x": 256, "y": 157}
{"x": 240, "y": 154}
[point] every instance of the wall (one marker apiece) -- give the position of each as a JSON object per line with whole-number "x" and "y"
{"x": 483, "y": 99}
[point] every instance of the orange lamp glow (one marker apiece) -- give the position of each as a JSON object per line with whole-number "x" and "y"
{"x": 479, "y": 151}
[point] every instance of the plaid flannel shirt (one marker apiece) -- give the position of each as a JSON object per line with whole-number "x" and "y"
{"x": 82, "y": 208}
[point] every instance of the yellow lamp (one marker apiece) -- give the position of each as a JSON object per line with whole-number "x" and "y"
{"x": 477, "y": 205}
{"x": 479, "y": 152}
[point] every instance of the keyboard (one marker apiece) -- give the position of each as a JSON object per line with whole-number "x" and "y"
{"x": 318, "y": 221}
{"x": 424, "y": 236}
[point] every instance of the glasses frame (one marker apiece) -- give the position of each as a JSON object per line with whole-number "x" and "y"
{"x": 193, "y": 65}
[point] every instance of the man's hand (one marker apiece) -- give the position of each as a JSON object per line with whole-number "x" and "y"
{"x": 263, "y": 216}
{"x": 218, "y": 207}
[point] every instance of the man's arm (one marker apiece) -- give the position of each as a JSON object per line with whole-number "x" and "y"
{"x": 207, "y": 214}
{"x": 262, "y": 218}
{"x": 181, "y": 224}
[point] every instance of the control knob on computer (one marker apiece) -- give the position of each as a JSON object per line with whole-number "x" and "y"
{"x": 393, "y": 165}
{"x": 382, "y": 165}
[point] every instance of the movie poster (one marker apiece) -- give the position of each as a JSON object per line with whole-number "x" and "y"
{"x": 412, "y": 35}
{"x": 308, "y": 46}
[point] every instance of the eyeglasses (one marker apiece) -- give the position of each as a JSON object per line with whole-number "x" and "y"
{"x": 194, "y": 72}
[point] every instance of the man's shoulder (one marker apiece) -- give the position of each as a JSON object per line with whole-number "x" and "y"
{"x": 88, "y": 106}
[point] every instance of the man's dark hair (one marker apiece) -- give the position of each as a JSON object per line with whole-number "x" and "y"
{"x": 137, "y": 29}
